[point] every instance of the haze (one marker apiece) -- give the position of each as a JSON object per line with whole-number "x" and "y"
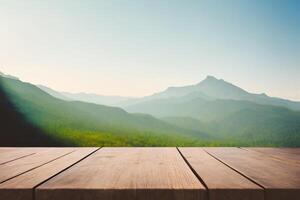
{"x": 136, "y": 48}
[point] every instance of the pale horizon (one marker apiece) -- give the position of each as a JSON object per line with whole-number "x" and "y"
{"x": 136, "y": 96}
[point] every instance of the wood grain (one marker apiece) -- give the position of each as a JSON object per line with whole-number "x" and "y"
{"x": 22, "y": 187}
{"x": 281, "y": 181}
{"x": 17, "y": 167}
{"x": 149, "y": 173}
{"x": 286, "y": 155}
{"x": 7, "y": 149}
{"x": 126, "y": 173}
{"x": 11, "y": 154}
{"x": 223, "y": 183}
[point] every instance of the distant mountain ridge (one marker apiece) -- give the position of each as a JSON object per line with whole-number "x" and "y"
{"x": 80, "y": 123}
{"x": 95, "y": 98}
{"x": 209, "y": 89}
{"x": 54, "y": 93}
{"x": 219, "y": 89}
{"x": 86, "y": 97}
{"x": 212, "y": 112}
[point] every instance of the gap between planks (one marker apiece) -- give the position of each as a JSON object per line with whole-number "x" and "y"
{"x": 211, "y": 187}
{"x": 33, "y": 192}
{"x": 242, "y": 174}
{"x": 17, "y": 158}
{"x": 194, "y": 172}
{"x": 36, "y": 167}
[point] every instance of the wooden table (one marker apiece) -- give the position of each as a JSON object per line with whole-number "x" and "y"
{"x": 149, "y": 173}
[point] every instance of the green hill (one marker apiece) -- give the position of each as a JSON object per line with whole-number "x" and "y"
{"x": 227, "y": 113}
{"x": 267, "y": 125}
{"x": 254, "y": 125}
{"x": 198, "y": 108}
{"x": 16, "y": 130}
{"x": 85, "y": 124}
{"x": 32, "y": 117}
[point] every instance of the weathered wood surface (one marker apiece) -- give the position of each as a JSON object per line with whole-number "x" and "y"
{"x": 11, "y": 154}
{"x": 286, "y": 155}
{"x": 149, "y": 173}
{"x": 280, "y": 180}
{"x": 21, "y": 187}
{"x": 223, "y": 183}
{"x": 17, "y": 167}
{"x": 126, "y": 173}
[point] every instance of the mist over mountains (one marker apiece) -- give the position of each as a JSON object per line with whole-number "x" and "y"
{"x": 208, "y": 100}
{"x": 210, "y": 113}
{"x": 85, "y": 97}
{"x": 76, "y": 123}
{"x": 209, "y": 89}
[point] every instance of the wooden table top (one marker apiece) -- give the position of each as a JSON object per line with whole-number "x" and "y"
{"x": 150, "y": 173}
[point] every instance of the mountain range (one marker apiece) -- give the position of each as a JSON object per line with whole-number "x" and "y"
{"x": 76, "y": 123}
{"x": 85, "y": 97}
{"x": 210, "y": 88}
{"x": 212, "y": 113}
{"x": 211, "y": 99}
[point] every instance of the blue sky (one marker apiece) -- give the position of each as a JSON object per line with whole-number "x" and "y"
{"x": 137, "y": 47}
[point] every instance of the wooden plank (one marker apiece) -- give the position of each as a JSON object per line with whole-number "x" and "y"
{"x": 17, "y": 167}
{"x": 11, "y": 154}
{"x": 222, "y": 182}
{"x": 7, "y": 149}
{"x": 126, "y": 173}
{"x": 21, "y": 187}
{"x": 286, "y": 155}
{"x": 281, "y": 181}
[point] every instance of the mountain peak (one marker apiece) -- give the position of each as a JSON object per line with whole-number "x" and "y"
{"x": 209, "y": 77}
{"x": 212, "y": 78}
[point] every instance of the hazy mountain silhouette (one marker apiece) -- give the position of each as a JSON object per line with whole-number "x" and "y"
{"x": 209, "y": 89}
{"x": 95, "y": 98}
{"x": 86, "y": 97}
{"x": 84, "y": 124}
{"x": 212, "y": 88}
{"x": 212, "y": 112}
{"x": 54, "y": 93}
{"x": 211, "y": 99}
{"x": 221, "y": 89}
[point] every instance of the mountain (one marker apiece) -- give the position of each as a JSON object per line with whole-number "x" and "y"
{"x": 177, "y": 92}
{"x": 226, "y": 112}
{"x": 16, "y": 130}
{"x": 193, "y": 116}
{"x": 196, "y": 108}
{"x": 212, "y": 88}
{"x": 207, "y": 100}
{"x": 257, "y": 125}
{"x": 86, "y": 97}
{"x": 262, "y": 124}
{"x": 54, "y": 93}
{"x": 221, "y": 89}
{"x": 84, "y": 124}
{"x": 95, "y": 98}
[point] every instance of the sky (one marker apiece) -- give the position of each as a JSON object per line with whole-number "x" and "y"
{"x": 138, "y": 47}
